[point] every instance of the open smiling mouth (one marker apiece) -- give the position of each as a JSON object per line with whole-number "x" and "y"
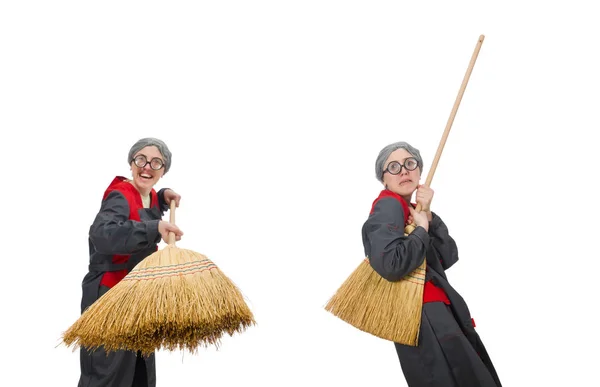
{"x": 145, "y": 176}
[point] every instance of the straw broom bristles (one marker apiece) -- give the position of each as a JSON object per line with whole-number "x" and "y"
{"x": 389, "y": 310}
{"x": 173, "y": 299}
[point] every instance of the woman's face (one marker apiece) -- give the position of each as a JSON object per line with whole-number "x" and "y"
{"x": 405, "y": 182}
{"x": 144, "y": 177}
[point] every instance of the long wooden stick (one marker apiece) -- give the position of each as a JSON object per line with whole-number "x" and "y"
{"x": 461, "y": 91}
{"x": 171, "y": 235}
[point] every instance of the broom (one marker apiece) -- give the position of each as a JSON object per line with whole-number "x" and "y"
{"x": 391, "y": 310}
{"x": 174, "y": 299}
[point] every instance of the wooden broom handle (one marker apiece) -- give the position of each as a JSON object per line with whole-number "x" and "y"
{"x": 461, "y": 91}
{"x": 171, "y": 238}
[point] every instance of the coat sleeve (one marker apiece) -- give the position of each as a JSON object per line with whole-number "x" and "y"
{"x": 162, "y": 204}
{"x": 113, "y": 233}
{"x": 392, "y": 254}
{"x": 442, "y": 242}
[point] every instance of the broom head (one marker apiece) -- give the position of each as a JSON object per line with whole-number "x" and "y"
{"x": 173, "y": 299}
{"x": 388, "y": 310}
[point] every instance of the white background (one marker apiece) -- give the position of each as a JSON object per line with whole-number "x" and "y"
{"x": 275, "y": 112}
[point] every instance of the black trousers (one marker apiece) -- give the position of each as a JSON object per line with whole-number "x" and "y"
{"x": 140, "y": 378}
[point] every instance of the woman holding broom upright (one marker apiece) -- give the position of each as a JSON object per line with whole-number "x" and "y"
{"x": 126, "y": 230}
{"x": 450, "y": 352}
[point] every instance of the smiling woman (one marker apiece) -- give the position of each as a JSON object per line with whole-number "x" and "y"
{"x": 126, "y": 230}
{"x": 145, "y": 178}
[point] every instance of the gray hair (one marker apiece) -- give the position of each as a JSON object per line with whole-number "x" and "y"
{"x": 151, "y": 141}
{"x": 387, "y": 151}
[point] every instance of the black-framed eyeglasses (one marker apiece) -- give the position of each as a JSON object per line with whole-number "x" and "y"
{"x": 141, "y": 161}
{"x": 395, "y": 167}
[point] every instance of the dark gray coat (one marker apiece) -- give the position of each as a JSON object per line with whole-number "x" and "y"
{"x": 450, "y": 352}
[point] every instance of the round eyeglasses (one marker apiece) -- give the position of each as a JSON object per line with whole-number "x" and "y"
{"x": 410, "y": 164}
{"x": 141, "y": 161}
